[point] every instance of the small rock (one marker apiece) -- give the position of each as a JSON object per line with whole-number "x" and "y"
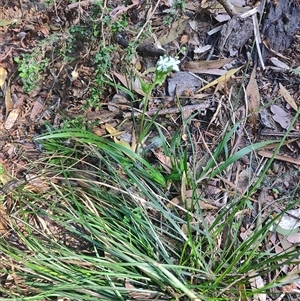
{"x": 181, "y": 82}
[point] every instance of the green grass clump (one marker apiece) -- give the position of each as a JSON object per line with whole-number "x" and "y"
{"x": 104, "y": 230}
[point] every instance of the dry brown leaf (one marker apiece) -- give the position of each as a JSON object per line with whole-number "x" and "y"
{"x": 163, "y": 159}
{"x": 277, "y": 63}
{"x": 118, "y": 102}
{"x": 128, "y": 85}
{"x": 36, "y": 184}
{"x": 281, "y": 116}
{"x": 192, "y": 6}
{"x": 184, "y": 39}
{"x": 257, "y": 283}
{"x": 8, "y": 101}
{"x": 253, "y": 100}
{"x": 207, "y": 67}
{"x": 287, "y": 96}
{"x": 3, "y": 76}
{"x": 176, "y": 30}
{"x": 3, "y": 220}
{"x": 43, "y": 29}
{"x": 243, "y": 179}
{"x": 133, "y": 140}
{"x": 5, "y": 176}
{"x": 202, "y": 49}
{"x": 37, "y": 108}
{"x": 11, "y": 118}
{"x": 121, "y": 78}
{"x": 243, "y": 294}
{"x": 112, "y": 131}
{"x": 188, "y": 201}
{"x": 213, "y": 6}
{"x": 294, "y": 238}
{"x": 268, "y": 154}
{"x": 122, "y": 9}
{"x": 285, "y": 244}
{"x": 122, "y": 143}
{"x": 275, "y": 144}
{"x": 199, "y": 66}
{"x": 7, "y": 22}
{"x": 222, "y": 79}
{"x": 134, "y": 293}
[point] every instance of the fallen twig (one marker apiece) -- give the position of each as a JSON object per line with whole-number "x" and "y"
{"x": 258, "y": 40}
{"x": 81, "y": 3}
{"x": 280, "y": 134}
{"x": 199, "y": 106}
{"x": 268, "y": 154}
{"x": 231, "y": 11}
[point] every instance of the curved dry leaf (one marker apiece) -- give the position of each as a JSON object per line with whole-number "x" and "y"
{"x": 188, "y": 201}
{"x": 3, "y": 76}
{"x": 257, "y": 283}
{"x": 4, "y": 220}
{"x": 118, "y": 102}
{"x": 122, "y": 9}
{"x": 112, "y": 131}
{"x": 135, "y": 85}
{"x": 290, "y": 221}
{"x": 221, "y": 79}
{"x": 122, "y": 143}
{"x": 253, "y": 99}
{"x": 8, "y": 101}
{"x": 199, "y": 66}
{"x": 287, "y": 96}
{"x": 268, "y": 154}
{"x": 11, "y": 118}
{"x": 36, "y": 184}
{"x": 176, "y": 30}
{"x": 202, "y": 49}
{"x": 164, "y": 160}
{"x": 37, "y": 108}
{"x": 280, "y": 116}
{"x": 8, "y": 22}
{"x": 294, "y": 238}
{"x": 277, "y": 63}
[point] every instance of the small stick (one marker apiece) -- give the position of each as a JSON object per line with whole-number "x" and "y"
{"x": 199, "y": 106}
{"x": 81, "y": 3}
{"x": 280, "y": 134}
{"x": 231, "y": 11}
{"x": 258, "y": 40}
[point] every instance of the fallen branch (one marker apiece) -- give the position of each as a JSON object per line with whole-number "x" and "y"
{"x": 231, "y": 11}
{"x": 199, "y": 106}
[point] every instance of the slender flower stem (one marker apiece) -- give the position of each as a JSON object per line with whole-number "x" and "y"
{"x": 164, "y": 66}
{"x": 142, "y": 121}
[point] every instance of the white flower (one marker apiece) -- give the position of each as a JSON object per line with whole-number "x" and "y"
{"x": 167, "y": 64}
